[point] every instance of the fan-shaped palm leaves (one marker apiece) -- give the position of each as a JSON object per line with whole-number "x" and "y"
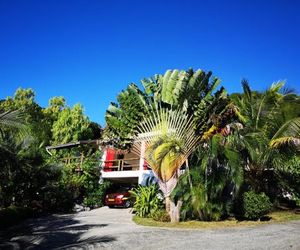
{"x": 189, "y": 91}
{"x": 169, "y": 139}
{"x": 177, "y": 111}
{"x": 180, "y": 88}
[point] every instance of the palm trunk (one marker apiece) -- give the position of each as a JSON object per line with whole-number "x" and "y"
{"x": 175, "y": 211}
{"x": 168, "y": 204}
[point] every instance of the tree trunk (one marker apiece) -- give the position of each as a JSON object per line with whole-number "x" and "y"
{"x": 172, "y": 209}
{"x": 175, "y": 211}
{"x": 168, "y": 204}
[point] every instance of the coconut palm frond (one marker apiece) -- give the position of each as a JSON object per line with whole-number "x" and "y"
{"x": 290, "y": 128}
{"x": 285, "y": 141}
{"x": 13, "y": 120}
{"x": 289, "y": 133}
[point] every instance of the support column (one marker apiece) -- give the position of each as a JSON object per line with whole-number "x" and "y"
{"x": 102, "y": 163}
{"x": 142, "y": 161}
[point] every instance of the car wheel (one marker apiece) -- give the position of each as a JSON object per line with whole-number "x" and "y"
{"x": 110, "y": 206}
{"x": 127, "y": 204}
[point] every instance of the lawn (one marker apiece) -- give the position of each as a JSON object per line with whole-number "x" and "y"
{"x": 276, "y": 217}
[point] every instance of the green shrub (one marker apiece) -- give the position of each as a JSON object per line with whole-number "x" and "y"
{"x": 147, "y": 200}
{"x": 160, "y": 215}
{"x": 255, "y": 205}
{"x": 95, "y": 198}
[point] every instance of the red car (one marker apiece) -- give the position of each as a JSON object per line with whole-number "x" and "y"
{"x": 120, "y": 198}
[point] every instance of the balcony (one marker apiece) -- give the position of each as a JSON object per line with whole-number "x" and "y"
{"x": 124, "y": 169}
{"x": 130, "y": 164}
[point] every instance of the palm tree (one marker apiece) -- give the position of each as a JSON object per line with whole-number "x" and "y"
{"x": 265, "y": 125}
{"x": 175, "y": 112}
{"x": 13, "y": 121}
{"x": 169, "y": 139}
{"x": 189, "y": 91}
{"x": 216, "y": 175}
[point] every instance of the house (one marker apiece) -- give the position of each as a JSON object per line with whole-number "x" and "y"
{"x": 118, "y": 166}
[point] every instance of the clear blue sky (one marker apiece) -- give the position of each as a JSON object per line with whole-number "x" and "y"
{"x": 88, "y": 51}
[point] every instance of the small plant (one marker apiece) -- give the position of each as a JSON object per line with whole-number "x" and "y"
{"x": 160, "y": 215}
{"x": 256, "y": 205}
{"x": 147, "y": 200}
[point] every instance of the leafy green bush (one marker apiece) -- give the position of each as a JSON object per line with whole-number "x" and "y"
{"x": 147, "y": 200}
{"x": 96, "y": 198}
{"x": 255, "y": 205}
{"x": 160, "y": 215}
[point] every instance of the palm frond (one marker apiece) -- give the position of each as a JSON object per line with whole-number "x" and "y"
{"x": 13, "y": 120}
{"x": 285, "y": 141}
{"x": 289, "y": 133}
{"x": 169, "y": 137}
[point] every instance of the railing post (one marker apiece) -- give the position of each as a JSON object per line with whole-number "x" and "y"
{"x": 122, "y": 164}
{"x": 142, "y": 161}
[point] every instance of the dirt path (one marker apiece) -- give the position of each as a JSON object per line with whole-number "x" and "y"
{"x": 114, "y": 229}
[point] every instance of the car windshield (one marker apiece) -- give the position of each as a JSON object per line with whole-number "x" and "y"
{"x": 122, "y": 190}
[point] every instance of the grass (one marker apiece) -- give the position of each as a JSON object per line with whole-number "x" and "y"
{"x": 276, "y": 217}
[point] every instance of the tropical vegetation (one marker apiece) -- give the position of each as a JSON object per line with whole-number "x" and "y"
{"x": 147, "y": 200}
{"x": 214, "y": 155}
{"x": 227, "y": 144}
{"x": 29, "y": 177}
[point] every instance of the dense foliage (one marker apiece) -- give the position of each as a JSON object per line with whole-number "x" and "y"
{"x": 223, "y": 152}
{"x": 179, "y": 109}
{"x": 29, "y": 176}
{"x": 259, "y": 151}
{"x": 190, "y": 91}
{"x": 248, "y": 141}
{"x": 209, "y": 188}
{"x": 95, "y": 195}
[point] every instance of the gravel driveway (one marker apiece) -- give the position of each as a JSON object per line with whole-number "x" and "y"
{"x": 114, "y": 229}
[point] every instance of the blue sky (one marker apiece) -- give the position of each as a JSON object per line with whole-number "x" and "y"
{"x": 88, "y": 51}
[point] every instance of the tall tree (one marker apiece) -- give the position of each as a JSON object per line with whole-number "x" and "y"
{"x": 265, "y": 116}
{"x": 179, "y": 110}
{"x": 71, "y": 125}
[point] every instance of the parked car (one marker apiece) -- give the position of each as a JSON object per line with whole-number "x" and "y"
{"x": 119, "y": 198}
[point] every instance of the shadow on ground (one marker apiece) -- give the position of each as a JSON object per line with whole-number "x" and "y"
{"x": 52, "y": 232}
